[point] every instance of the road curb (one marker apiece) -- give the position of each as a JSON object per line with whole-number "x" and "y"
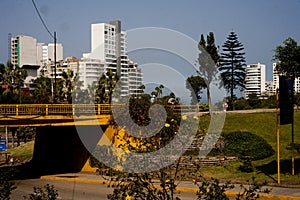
{"x": 179, "y": 189}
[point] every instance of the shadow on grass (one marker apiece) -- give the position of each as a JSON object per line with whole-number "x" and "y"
{"x": 285, "y": 167}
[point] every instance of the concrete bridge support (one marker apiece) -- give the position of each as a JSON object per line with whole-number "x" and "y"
{"x": 59, "y": 149}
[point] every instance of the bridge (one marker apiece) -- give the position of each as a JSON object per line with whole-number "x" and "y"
{"x": 54, "y": 114}
{"x": 58, "y": 147}
{"x": 61, "y": 114}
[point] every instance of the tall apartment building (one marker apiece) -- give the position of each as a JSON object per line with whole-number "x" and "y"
{"x": 255, "y": 79}
{"x": 108, "y": 44}
{"x": 26, "y": 50}
{"x": 276, "y": 81}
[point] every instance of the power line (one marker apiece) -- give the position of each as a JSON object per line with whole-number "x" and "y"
{"x": 42, "y": 19}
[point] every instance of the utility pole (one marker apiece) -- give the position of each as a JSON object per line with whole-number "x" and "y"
{"x": 54, "y": 96}
{"x": 278, "y": 136}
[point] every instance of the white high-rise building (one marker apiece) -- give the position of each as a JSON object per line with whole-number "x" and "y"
{"x": 255, "y": 81}
{"x": 276, "y": 81}
{"x": 108, "y": 44}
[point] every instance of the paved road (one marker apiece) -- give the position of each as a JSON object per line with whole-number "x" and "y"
{"x": 187, "y": 189}
{"x": 72, "y": 190}
{"x": 66, "y": 190}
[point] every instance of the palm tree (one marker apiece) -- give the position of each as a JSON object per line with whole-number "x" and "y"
{"x": 69, "y": 83}
{"x": 159, "y": 90}
{"x": 106, "y": 85}
{"x": 65, "y": 87}
{"x": 42, "y": 92}
{"x": 13, "y": 78}
{"x": 142, "y": 88}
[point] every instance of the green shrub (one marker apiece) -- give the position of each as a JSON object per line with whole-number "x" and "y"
{"x": 246, "y": 144}
{"x": 203, "y": 107}
{"x": 6, "y": 185}
{"x": 241, "y": 104}
{"x": 46, "y": 193}
{"x": 213, "y": 189}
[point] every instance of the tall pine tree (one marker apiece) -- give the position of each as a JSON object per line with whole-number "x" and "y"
{"x": 232, "y": 65}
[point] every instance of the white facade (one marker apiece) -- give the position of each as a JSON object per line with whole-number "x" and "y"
{"x": 255, "y": 82}
{"x": 108, "y": 44}
{"x": 276, "y": 81}
{"x": 135, "y": 77}
{"x": 90, "y": 70}
{"x": 269, "y": 88}
{"x": 48, "y": 52}
{"x": 25, "y": 50}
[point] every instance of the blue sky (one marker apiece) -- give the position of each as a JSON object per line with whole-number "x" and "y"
{"x": 260, "y": 25}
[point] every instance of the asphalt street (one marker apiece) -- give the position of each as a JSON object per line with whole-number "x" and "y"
{"x": 73, "y": 190}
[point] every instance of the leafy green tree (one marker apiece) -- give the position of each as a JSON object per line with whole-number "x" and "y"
{"x": 241, "y": 104}
{"x": 208, "y": 63}
{"x": 254, "y": 101}
{"x": 24, "y": 133}
{"x": 232, "y": 65}
{"x": 288, "y": 57}
{"x": 195, "y": 84}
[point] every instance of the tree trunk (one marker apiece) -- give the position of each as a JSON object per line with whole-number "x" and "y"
{"x": 209, "y": 101}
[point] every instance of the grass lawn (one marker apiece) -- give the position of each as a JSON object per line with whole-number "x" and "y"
{"x": 264, "y": 125}
{"x": 23, "y": 152}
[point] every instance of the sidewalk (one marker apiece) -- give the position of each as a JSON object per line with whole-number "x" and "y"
{"x": 277, "y": 193}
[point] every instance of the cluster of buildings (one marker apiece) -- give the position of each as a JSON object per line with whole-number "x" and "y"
{"x": 256, "y": 82}
{"x": 108, "y": 52}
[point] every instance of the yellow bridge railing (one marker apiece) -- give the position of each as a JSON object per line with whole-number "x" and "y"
{"x": 54, "y": 109}
{"x": 66, "y": 109}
